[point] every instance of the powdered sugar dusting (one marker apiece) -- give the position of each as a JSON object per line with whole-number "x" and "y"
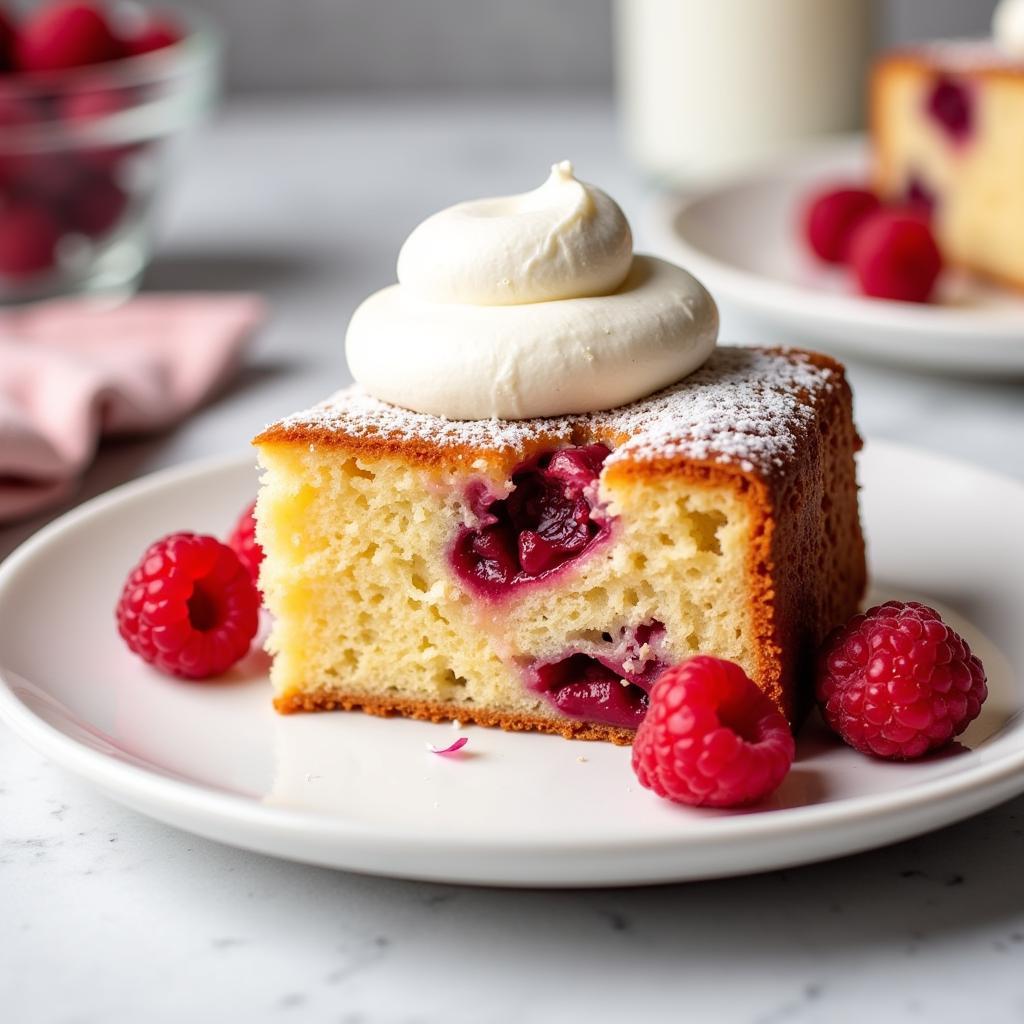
{"x": 747, "y": 407}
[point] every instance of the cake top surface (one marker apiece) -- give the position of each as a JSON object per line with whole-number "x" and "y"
{"x": 748, "y": 407}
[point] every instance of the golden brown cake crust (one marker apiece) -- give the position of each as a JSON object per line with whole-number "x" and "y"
{"x": 331, "y": 700}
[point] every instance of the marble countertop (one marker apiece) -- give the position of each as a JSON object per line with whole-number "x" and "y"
{"x": 106, "y": 916}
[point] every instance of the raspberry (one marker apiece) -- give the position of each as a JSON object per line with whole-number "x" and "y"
{"x": 86, "y": 113}
{"x": 894, "y": 256}
{"x": 897, "y": 682}
{"x": 711, "y": 737}
{"x": 49, "y": 178}
{"x": 95, "y": 206}
{"x": 86, "y": 106}
{"x": 830, "y": 218}
{"x": 16, "y": 115}
{"x": 28, "y": 240}
{"x": 8, "y": 35}
{"x": 156, "y": 34}
{"x": 16, "y": 112}
{"x": 920, "y": 198}
{"x": 547, "y": 520}
{"x": 609, "y": 684}
{"x": 244, "y": 544}
{"x": 66, "y": 35}
{"x": 952, "y": 106}
{"x": 189, "y": 607}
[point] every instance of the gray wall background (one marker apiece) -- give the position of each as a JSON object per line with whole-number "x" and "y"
{"x": 473, "y": 45}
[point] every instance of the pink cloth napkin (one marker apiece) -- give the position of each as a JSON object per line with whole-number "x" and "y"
{"x": 72, "y": 372}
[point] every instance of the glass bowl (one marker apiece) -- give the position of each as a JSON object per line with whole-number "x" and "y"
{"x": 84, "y": 156}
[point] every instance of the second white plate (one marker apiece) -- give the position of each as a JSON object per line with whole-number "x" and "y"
{"x": 356, "y": 792}
{"x": 742, "y": 239}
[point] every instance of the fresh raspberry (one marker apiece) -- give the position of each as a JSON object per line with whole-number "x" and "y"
{"x": 156, "y": 34}
{"x": 86, "y": 113}
{"x": 16, "y": 115}
{"x": 897, "y": 682}
{"x": 711, "y": 737}
{"x": 8, "y": 35}
{"x": 49, "y": 178}
{"x": 830, "y": 218}
{"x": 244, "y": 544}
{"x": 66, "y": 35}
{"x": 28, "y": 240}
{"x": 16, "y": 112}
{"x": 85, "y": 106}
{"x": 189, "y": 606}
{"x": 95, "y": 206}
{"x": 895, "y": 256}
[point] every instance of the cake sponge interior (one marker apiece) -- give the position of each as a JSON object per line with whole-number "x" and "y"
{"x": 366, "y": 604}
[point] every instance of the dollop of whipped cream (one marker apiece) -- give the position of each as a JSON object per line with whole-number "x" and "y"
{"x": 528, "y": 306}
{"x": 1008, "y": 27}
{"x": 564, "y": 240}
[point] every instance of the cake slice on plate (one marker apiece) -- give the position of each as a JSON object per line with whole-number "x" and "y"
{"x": 538, "y": 574}
{"x": 548, "y": 486}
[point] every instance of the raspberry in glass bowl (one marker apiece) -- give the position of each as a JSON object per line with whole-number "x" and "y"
{"x": 94, "y": 99}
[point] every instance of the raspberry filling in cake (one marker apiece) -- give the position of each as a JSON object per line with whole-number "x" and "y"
{"x": 548, "y": 519}
{"x": 608, "y": 683}
{"x": 920, "y": 196}
{"x": 951, "y": 105}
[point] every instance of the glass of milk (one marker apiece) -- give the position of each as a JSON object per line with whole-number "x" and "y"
{"x": 707, "y": 87}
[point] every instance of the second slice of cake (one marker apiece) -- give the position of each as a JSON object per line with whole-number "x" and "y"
{"x": 946, "y": 133}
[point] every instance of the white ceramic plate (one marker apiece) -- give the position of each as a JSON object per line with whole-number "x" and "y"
{"x": 742, "y": 240}
{"x": 357, "y": 792}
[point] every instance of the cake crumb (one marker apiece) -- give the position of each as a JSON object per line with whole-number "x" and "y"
{"x": 581, "y": 759}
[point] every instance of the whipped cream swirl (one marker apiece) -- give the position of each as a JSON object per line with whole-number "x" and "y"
{"x": 1008, "y": 27}
{"x": 564, "y": 240}
{"x": 526, "y": 306}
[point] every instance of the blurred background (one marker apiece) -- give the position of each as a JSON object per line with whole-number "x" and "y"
{"x": 464, "y": 46}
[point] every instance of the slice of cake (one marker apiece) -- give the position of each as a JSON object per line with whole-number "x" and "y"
{"x": 547, "y": 486}
{"x": 947, "y": 134}
{"x": 538, "y": 574}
